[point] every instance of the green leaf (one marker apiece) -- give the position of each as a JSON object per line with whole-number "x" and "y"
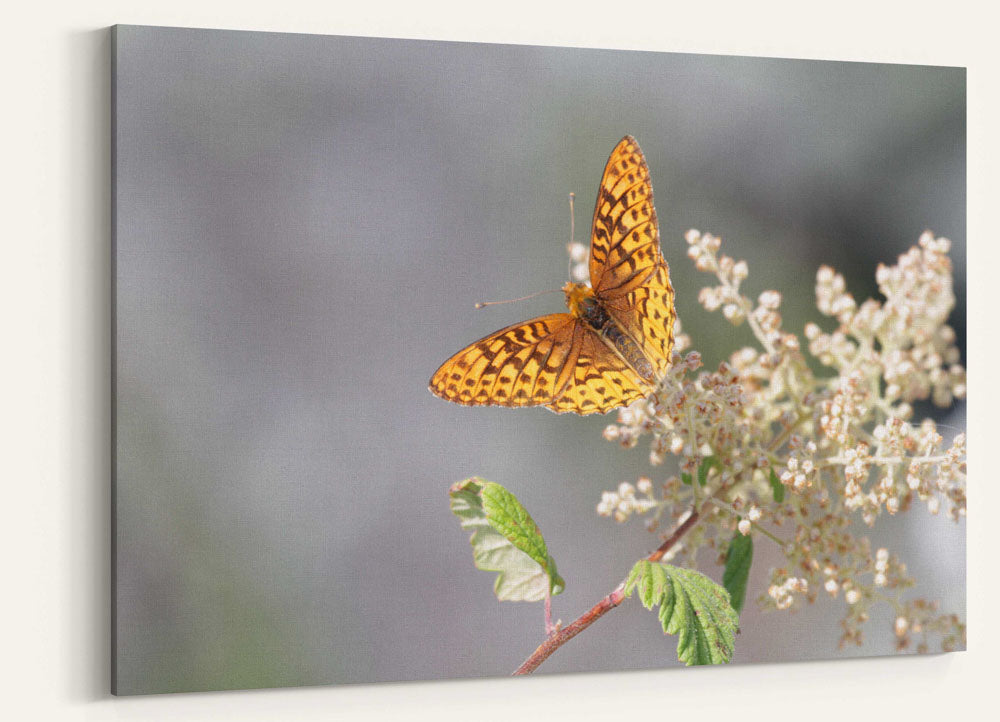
{"x": 692, "y": 606}
{"x": 739, "y": 557}
{"x": 685, "y": 478}
{"x": 505, "y": 539}
{"x": 707, "y": 463}
{"x": 777, "y": 488}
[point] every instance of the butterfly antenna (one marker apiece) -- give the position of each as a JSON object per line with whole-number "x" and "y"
{"x": 484, "y": 304}
{"x": 956, "y": 429}
{"x": 572, "y": 233}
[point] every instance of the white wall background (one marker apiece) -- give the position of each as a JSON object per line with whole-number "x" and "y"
{"x": 55, "y": 360}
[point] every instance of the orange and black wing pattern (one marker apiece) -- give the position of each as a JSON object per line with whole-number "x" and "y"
{"x": 561, "y": 362}
{"x": 553, "y": 361}
{"x": 627, "y": 269}
{"x": 625, "y": 239}
{"x": 600, "y": 379}
{"x": 647, "y": 314}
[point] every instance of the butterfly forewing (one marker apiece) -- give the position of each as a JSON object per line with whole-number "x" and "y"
{"x": 515, "y": 366}
{"x": 625, "y": 241}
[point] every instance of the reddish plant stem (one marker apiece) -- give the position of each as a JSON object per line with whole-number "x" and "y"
{"x": 675, "y": 537}
{"x": 560, "y": 636}
{"x": 563, "y": 635}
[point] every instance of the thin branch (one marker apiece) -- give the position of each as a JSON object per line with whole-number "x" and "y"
{"x": 746, "y": 306}
{"x": 785, "y": 434}
{"x": 559, "y": 637}
{"x": 728, "y": 507}
{"x": 843, "y": 460}
{"x": 679, "y": 532}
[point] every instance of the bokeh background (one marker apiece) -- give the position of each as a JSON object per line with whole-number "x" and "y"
{"x": 302, "y": 226}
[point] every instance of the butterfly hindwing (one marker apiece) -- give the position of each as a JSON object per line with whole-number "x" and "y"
{"x": 600, "y": 381}
{"x": 625, "y": 240}
{"x": 647, "y": 314}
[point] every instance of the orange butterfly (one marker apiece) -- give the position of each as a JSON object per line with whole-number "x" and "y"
{"x": 614, "y": 345}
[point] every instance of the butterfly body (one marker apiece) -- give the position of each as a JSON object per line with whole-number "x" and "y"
{"x": 583, "y": 304}
{"x": 613, "y": 346}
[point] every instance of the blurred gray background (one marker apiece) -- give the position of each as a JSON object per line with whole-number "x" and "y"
{"x": 303, "y": 224}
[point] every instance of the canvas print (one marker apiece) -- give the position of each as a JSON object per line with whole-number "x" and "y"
{"x": 417, "y": 378}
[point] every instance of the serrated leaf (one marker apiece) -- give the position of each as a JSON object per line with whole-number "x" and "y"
{"x": 692, "y": 606}
{"x": 777, "y": 488}
{"x": 505, "y": 539}
{"x": 739, "y": 557}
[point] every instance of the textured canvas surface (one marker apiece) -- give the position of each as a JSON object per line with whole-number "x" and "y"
{"x": 302, "y": 226}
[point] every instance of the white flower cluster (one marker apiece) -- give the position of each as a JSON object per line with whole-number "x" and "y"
{"x": 624, "y": 502}
{"x": 784, "y": 594}
{"x": 906, "y": 337}
{"x": 766, "y": 446}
